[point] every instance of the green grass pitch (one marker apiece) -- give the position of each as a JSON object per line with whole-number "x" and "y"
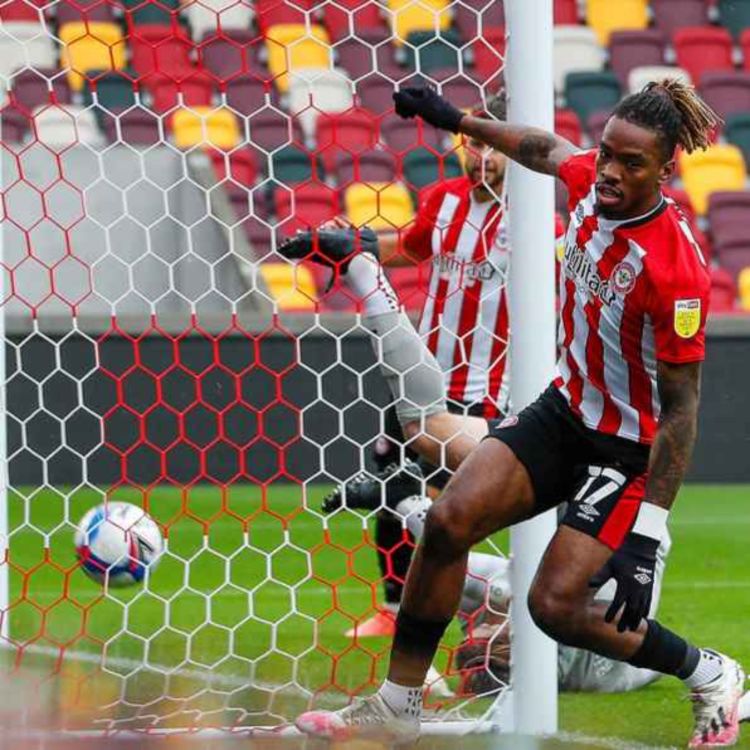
{"x": 226, "y": 621}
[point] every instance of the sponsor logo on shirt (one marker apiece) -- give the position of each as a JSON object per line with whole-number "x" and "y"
{"x": 448, "y": 265}
{"x": 687, "y": 317}
{"x": 581, "y": 269}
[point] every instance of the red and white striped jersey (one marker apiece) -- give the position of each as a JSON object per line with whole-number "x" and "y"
{"x": 465, "y": 317}
{"x": 631, "y": 293}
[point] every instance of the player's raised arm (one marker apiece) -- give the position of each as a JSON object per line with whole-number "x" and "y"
{"x": 536, "y": 149}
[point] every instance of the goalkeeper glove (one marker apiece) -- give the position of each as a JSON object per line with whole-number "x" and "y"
{"x": 429, "y": 105}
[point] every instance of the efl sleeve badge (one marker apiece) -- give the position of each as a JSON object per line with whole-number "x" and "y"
{"x": 687, "y": 317}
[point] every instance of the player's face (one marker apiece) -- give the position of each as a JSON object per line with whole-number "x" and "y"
{"x": 485, "y": 167}
{"x": 630, "y": 170}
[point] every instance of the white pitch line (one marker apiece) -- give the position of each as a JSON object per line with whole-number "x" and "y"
{"x": 608, "y": 743}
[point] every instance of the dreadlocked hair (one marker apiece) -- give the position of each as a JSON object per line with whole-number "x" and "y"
{"x": 673, "y": 109}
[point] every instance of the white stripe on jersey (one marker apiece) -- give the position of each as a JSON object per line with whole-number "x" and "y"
{"x": 648, "y": 353}
{"x": 445, "y": 216}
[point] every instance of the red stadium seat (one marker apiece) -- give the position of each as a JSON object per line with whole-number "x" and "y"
{"x": 376, "y": 93}
{"x": 723, "y": 291}
{"x": 364, "y": 15}
{"x": 340, "y": 132}
{"x": 242, "y": 167}
{"x": 161, "y": 50}
{"x": 700, "y": 50}
{"x": 194, "y": 90}
{"x": 410, "y": 283}
{"x": 568, "y": 126}
{"x": 271, "y": 129}
{"x": 728, "y": 92}
{"x": 305, "y": 206}
{"x": 489, "y": 52}
{"x": 670, "y": 15}
{"x": 566, "y": 13}
{"x": 745, "y": 45}
{"x": 21, "y": 10}
{"x": 404, "y": 135}
{"x": 366, "y": 166}
{"x": 633, "y": 49}
{"x": 272, "y": 12}
{"x": 729, "y": 215}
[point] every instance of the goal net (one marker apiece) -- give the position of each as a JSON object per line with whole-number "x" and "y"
{"x": 158, "y": 351}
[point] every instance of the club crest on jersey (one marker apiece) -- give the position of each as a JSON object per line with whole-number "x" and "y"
{"x": 623, "y": 277}
{"x": 687, "y": 317}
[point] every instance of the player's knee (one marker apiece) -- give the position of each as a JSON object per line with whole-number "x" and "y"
{"x": 445, "y": 536}
{"x": 556, "y": 614}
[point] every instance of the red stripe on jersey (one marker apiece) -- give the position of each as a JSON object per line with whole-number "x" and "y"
{"x": 468, "y": 321}
{"x": 622, "y": 517}
{"x": 448, "y": 246}
{"x": 499, "y": 355}
{"x": 631, "y": 338}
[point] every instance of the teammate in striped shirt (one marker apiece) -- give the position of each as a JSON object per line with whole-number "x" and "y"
{"x": 612, "y": 435}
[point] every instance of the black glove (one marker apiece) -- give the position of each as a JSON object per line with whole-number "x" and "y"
{"x": 633, "y": 566}
{"x": 429, "y": 105}
{"x": 332, "y": 247}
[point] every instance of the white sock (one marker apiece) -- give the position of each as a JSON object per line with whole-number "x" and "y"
{"x": 402, "y": 700}
{"x": 367, "y": 279}
{"x": 710, "y": 666}
{"x": 414, "y": 509}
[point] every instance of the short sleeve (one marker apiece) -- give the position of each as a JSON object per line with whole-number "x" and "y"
{"x": 578, "y": 172}
{"x": 678, "y": 314}
{"x": 417, "y": 239}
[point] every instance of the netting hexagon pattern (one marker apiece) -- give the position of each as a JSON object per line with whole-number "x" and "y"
{"x": 159, "y": 351}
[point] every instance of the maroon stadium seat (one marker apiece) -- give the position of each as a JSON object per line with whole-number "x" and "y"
{"x": 566, "y": 13}
{"x": 15, "y": 124}
{"x": 670, "y": 15}
{"x": 729, "y": 215}
{"x": 364, "y": 14}
{"x": 700, "y": 50}
{"x": 733, "y": 255}
{"x": 467, "y": 18}
{"x": 259, "y": 235}
{"x": 137, "y": 126}
{"x": 727, "y": 92}
{"x": 351, "y": 131}
{"x": 247, "y": 94}
{"x": 31, "y": 88}
{"x": 68, "y": 11}
{"x": 231, "y": 54}
{"x": 723, "y": 291}
{"x": 633, "y": 49}
{"x": 460, "y": 91}
{"x": 376, "y": 93}
{"x": 404, "y": 135}
{"x": 354, "y": 55}
{"x": 305, "y": 206}
{"x": 195, "y": 90}
{"x": 270, "y": 129}
{"x": 568, "y": 126}
{"x": 372, "y": 165}
{"x": 161, "y": 50}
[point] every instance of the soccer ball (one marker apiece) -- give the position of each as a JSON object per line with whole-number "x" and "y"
{"x": 117, "y": 542}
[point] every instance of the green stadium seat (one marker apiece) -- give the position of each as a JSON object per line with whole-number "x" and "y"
{"x": 589, "y": 92}
{"x": 291, "y": 165}
{"x": 155, "y": 12}
{"x": 737, "y": 132}
{"x": 423, "y": 167}
{"x": 734, "y": 15}
{"x": 424, "y": 51}
{"x": 114, "y": 91}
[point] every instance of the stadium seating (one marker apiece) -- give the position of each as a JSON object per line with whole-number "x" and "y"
{"x": 720, "y": 167}
{"x": 642, "y": 75}
{"x": 376, "y": 93}
{"x": 734, "y": 15}
{"x": 723, "y": 291}
{"x": 270, "y": 13}
{"x": 745, "y": 46}
{"x": 34, "y": 87}
{"x": 410, "y": 284}
{"x": 246, "y": 95}
{"x": 728, "y": 214}
{"x": 159, "y": 50}
{"x": 426, "y": 52}
{"x": 568, "y": 126}
{"x": 733, "y": 255}
{"x": 587, "y": 93}
{"x": 605, "y": 16}
{"x": 205, "y": 126}
{"x": 291, "y": 286}
{"x": 91, "y": 46}
{"x": 271, "y": 128}
{"x": 312, "y": 92}
{"x": 21, "y": 10}
{"x": 737, "y": 132}
{"x": 259, "y": 235}
{"x": 743, "y": 283}
{"x": 292, "y": 165}
{"x": 728, "y": 92}
{"x": 154, "y": 12}
{"x": 566, "y": 12}
{"x": 353, "y": 16}
{"x": 422, "y": 167}
{"x": 379, "y": 205}
{"x": 304, "y": 207}
{"x": 293, "y": 47}
{"x": 113, "y": 92}
{"x": 469, "y": 18}
{"x": 671, "y": 15}
{"x": 137, "y": 127}
{"x": 634, "y": 49}
{"x": 575, "y": 49}
{"x": 462, "y": 92}
{"x": 354, "y": 54}
{"x": 489, "y": 53}
{"x": 206, "y": 16}
{"x": 700, "y": 50}
{"x": 60, "y": 127}
{"x": 25, "y": 43}
{"x": 238, "y": 166}
{"x": 193, "y": 90}
{"x": 418, "y": 15}
{"x": 68, "y": 11}
{"x": 232, "y": 54}
{"x": 404, "y": 135}
{"x": 15, "y": 124}
{"x": 344, "y": 132}
{"x": 372, "y": 165}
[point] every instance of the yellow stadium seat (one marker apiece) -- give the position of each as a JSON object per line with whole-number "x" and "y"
{"x": 292, "y": 287}
{"x": 743, "y": 282}
{"x": 205, "y": 126}
{"x": 720, "y": 167}
{"x": 292, "y": 47}
{"x": 418, "y": 15}
{"x": 95, "y": 45}
{"x": 380, "y": 205}
{"x": 606, "y": 16}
